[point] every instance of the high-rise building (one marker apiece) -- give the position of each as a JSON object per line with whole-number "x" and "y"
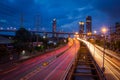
{"x": 81, "y": 27}
{"x": 88, "y": 24}
{"x": 54, "y": 27}
{"x": 117, "y": 26}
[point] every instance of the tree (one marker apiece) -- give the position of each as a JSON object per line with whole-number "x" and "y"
{"x": 23, "y": 35}
{"x": 22, "y": 39}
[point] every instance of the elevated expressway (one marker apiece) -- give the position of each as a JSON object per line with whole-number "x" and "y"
{"x": 112, "y": 63}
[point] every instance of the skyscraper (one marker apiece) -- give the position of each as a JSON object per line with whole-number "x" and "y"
{"x": 88, "y": 24}
{"x": 81, "y": 28}
{"x": 54, "y": 27}
{"x": 117, "y": 26}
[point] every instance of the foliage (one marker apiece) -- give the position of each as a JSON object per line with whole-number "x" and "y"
{"x": 3, "y": 51}
{"x": 22, "y": 39}
{"x": 22, "y": 35}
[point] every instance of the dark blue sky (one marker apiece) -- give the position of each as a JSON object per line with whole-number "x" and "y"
{"x": 67, "y": 12}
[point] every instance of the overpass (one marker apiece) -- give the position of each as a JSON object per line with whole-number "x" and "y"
{"x": 36, "y": 31}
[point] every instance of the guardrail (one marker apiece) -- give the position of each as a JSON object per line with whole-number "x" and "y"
{"x": 108, "y": 53}
{"x": 100, "y": 74}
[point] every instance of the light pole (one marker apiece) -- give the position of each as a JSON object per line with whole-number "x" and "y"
{"x": 104, "y": 30}
{"x": 94, "y": 41}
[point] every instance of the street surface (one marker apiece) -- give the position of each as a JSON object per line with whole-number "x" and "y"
{"x": 46, "y": 67}
{"x": 112, "y": 65}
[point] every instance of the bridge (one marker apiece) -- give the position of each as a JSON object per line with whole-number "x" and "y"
{"x": 36, "y": 31}
{"x": 46, "y": 32}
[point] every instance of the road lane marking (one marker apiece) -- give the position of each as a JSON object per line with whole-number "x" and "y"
{"x": 69, "y": 66}
{"x": 31, "y": 74}
{"x": 38, "y": 69}
{"x": 112, "y": 72}
{"x": 55, "y": 69}
{"x": 10, "y": 70}
{"x": 113, "y": 63}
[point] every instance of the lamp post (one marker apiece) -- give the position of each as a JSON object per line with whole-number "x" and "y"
{"x": 104, "y": 30}
{"x": 94, "y": 41}
{"x": 76, "y": 35}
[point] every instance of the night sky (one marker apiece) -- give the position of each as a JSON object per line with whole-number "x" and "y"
{"x": 67, "y": 13}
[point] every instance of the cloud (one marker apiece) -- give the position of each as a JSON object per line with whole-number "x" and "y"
{"x": 73, "y": 26}
{"x": 81, "y": 9}
{"x": 67, "y": 12}
{"x": 3, "y": 21}
{"x": 110, "y": 7}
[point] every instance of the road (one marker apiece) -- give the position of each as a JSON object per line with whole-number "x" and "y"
{"x": 45, "y": 67}
{"x": 112, "y": 65}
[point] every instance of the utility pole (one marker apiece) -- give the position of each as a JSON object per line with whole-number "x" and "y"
{"x": 37, "y": 25}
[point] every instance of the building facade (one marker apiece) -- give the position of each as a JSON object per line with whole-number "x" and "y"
{"x": 54, "y": 27}
{"x": 115, "y": 37}
{"x": 88, "y": 24}
{"x": 81, "y": 27}
{"x": 117, "y": 27}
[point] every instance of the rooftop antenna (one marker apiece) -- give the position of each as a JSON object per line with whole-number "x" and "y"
{"x": 21, "y": 21}
{"x": 37, "y": 25}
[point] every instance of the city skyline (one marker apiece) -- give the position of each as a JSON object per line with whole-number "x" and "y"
{"x": 59, "y": 40}
{"x": 67, "y": 13}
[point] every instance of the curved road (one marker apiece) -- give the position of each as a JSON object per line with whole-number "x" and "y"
{"x": 112, "y": 65}
{"x": 45, "y": 67}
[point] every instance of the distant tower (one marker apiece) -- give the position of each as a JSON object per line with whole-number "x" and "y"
{"x": 37, "y": 22}
{"x": 54, "y": 27}
{"x": 37, "y": 25}
{"x": 117, "y": 28}
{"x": 88, "y": 24}
{"x": 81, "y": 29}
{"x": 21, "y": 21}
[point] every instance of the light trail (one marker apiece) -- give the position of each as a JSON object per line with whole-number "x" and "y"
{"x": 110, "y": 65}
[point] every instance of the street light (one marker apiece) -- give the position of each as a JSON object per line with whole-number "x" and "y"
{"x": 94, "y": 41}
{"x": 104, "y": 30}
{"x": 95, "y": 32}
{"x": 76, "y": 35}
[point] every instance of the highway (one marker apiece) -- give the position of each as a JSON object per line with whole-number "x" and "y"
{"x": 51, "y": 66}
{"x": 58, "y": 68}
{"x": 112, "y": 65}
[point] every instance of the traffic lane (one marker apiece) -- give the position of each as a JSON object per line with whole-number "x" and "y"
{"x": 112, "y": 61}
{"x": 21, "y": 70}
{"x": 109, "y": 76}
{"x": 54, "y": 67}
{"x": 110, "y": 53}
{"x": 25, "y": 70}
{"x": 25, "y": 66}
{"x": 59, "y": 72}
{"x": 110, "y": 71}
{"x": 47, "y": 70}
{"x": 111, "y": 65}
